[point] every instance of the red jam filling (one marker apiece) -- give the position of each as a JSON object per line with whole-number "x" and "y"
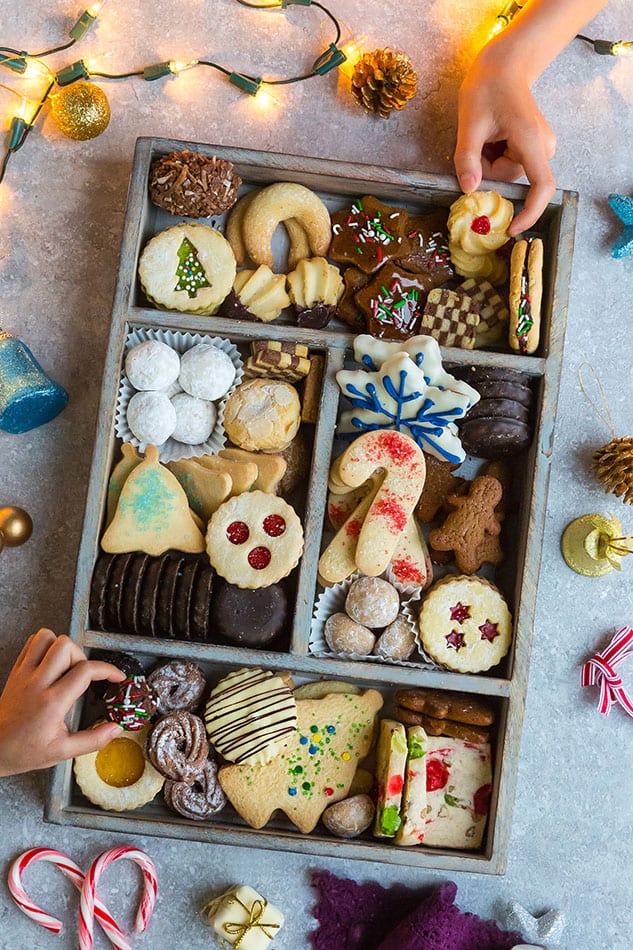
{"x": 259, "y": 558}
{"x": 489, "y": 631}
{"x": 436, "y": 775}
{"x": 460, "y": 612}
{"x": 237, "y": 532}
{"x": 455, "y": 639}
{"x": 274, "y": 526}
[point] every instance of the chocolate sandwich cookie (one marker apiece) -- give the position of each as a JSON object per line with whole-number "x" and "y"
{"x": 164, "y": 626}
{"x": 428, "y": 253}
{"x": 495, "y": 438}
{"x": 500, "y": 409}
{"x": 247, "y": 617}
{"x": 115, "y": 590}
{"x": 132, "y": 591}
{"x": 146, "y": 608}
{"x": 182, "y": 600}
{"x": 504, "y": 389}
{"x": 493, "y": 374}
{"x": 99, "y": 591}
{"x": 200, "y": 604}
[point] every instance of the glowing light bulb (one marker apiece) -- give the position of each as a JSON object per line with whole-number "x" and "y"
{"x": 353, "y": 52}
{"x": 94, "y": 8}
{"x": 26, "y": 110}
{"x": 36, "y": 69}
{"x": 178, "y": 66}
{"x": 265, "y": 100}
{"x": 506, "y": 15}
{"x": 622, "y": 48}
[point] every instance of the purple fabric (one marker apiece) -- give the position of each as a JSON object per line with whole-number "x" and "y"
{"x": 355, "y": 916}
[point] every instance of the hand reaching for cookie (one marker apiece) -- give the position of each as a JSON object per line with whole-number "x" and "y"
{"x": 49, "y": 675}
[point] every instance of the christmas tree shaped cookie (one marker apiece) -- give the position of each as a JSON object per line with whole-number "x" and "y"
{"x": 190, "y": 272}
{"x": 152, "y": 514}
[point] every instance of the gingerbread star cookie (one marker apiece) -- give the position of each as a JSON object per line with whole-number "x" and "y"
{"x": 368, "y": 234}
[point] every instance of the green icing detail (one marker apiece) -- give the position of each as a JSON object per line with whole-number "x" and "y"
{"x": 190, "y": 272}
{"x": 390, "y": 821}
{"x": 399, "y": 742}
{"x": 150, "y": 501}
{"x": 451, "y": 800}
{"x": 416, "y": 749}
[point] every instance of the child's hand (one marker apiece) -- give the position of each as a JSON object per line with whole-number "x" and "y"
{"x": 49, "y": 675}
{"x": 497, "y": 107}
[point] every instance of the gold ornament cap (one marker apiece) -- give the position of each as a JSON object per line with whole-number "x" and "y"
{"x": 15, "y": 526}
{"x": 593, "y": 545}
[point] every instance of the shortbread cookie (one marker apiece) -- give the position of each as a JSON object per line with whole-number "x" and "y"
{"x": 262, "y": 415}
{"x": 275, "y": 360}
{"x": 338, "y": 560}
{"x": 152, "y": 514}
{"x": 315, "y": 769}
{"x": 205, "y": 489}
{"x": 368, "y": 234}
{"x": 459, "y": 786}
{"x": 242, "y": 472}
{"x": 428, "y": 253}
{"x": 257, "y": 295}
{"x": 270, "y": 468}
{"x": 119, "y": 777}
{"x": 315, "y": 288}
{"x": 391, "y": 758}
{"x": 189, "y": 267}
{"x": 471, "y": 525}
{"x": 413, "y": 812}
{"x": 393, "y": 303}
{"x": 478, "y": 221}
{"x": 490, "y": 267}
{"x": 277, "y": 203}
{"x": 321, "y": 688}
{"x": 254, "y": 539}
{"x": 526, "y": 292}
{"x": 251, "y": 716}
{"x": 233, "y": 230}
{"x": 451, "y": 318}
{"x": 126, "y": 464}
{"x": 493, "y": 313}
{"x": 465, "y": 624}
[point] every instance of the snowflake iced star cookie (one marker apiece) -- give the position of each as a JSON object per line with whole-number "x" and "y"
{"x": 465, "y": 624}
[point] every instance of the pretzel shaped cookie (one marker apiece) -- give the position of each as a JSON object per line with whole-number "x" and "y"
{"x": 396, "y": 498}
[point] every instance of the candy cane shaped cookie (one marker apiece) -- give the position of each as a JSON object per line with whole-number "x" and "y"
{"x": 338, "y": 560}
{"x": 76, "y": 875}
{"x": 88, "y": 892}
{"x": 402, "y": 460}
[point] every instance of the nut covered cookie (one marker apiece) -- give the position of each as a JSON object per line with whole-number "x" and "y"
{"x": 465, "y": 624}
{"x": 254, "y": 539}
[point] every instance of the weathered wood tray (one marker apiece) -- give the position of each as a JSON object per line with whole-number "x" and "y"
{"x": 336, "y": 183}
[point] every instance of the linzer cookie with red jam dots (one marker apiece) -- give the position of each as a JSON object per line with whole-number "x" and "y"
{"x": 254, "y": 539}
{"x": 251, "y": 716}
{"x": 332, "y": 736}
{"x": 451, "y": 318}
{"x": 393, "y": 303}
{"x": 391, "y": 760}
{"x": 428, "y": 253}
{"x": 368, "y": 234}
{"x": 465, "y": 624}
{"x": 526, "y": 291}
{"x": 471, "y": 530}
{"x": 459, "y": 786}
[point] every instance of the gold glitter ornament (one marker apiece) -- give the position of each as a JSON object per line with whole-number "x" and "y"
{"x": 593, "y": 545}
{"x": 384, "y": 80}
{"x": 81, "y": 111}
{"x": 15, "y": 526}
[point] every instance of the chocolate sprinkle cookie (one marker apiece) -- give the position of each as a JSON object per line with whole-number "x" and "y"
{"x": 193, "y": 185}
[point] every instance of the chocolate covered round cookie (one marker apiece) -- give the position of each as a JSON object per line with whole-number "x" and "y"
{"x": 492, "y": 438}
{"x": 249, "y": 617}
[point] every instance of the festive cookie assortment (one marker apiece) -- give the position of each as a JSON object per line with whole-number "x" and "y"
{"x": 326, "y": 496}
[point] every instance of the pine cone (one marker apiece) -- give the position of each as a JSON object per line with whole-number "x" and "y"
{"x": 384, "y": 80}
{"x": 613, "y": 465}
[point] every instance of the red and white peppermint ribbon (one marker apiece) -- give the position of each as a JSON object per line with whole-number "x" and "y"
{"x": 600, "y": 671}
{"x": 76, "y": 875}
{"x": 87, "y": 911}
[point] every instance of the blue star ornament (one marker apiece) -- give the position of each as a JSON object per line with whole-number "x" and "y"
{"x": 623, "y": 207}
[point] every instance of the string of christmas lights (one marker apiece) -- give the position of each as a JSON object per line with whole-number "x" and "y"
{"x": 602, "y": 47}
{"x": 18, "y": 61}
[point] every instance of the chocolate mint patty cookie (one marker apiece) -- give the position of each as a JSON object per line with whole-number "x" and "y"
{"x": 249, "y": 617}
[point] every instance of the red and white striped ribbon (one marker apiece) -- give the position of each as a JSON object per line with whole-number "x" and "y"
{"x": 600, "y": 670}
{"x": 76, "y": 875}
{"x": 87, "y": 910}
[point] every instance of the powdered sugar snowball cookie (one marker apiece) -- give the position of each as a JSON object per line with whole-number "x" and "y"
{"x": 263, "y": 415}
{"x": 372, "y": 602}
{"x": 397, "y": 641}
{"x": 344, "y": 635}
{"x": 254, "y": 539}
{"x": 465, "y": 624}
{"x": 206, "y": 371}
{"x": 152, "y": 365}
{"x": 195, "y": 419}
{"x": 189, "y": 267}
{"x": 151, "y": 417}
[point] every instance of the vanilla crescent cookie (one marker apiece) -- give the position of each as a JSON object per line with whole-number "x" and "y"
{"x": 478, "y": 222}
{"x": 254, "y": 539}
{"x": 278, "y": 203}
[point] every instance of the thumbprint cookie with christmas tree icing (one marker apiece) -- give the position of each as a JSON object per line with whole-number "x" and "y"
{"x": 190, "y": 268}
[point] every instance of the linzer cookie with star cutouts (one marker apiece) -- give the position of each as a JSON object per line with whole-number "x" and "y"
{"x": 428, "y": 253}
{"x": 465, "y": 624}
{"x": 393, "y": 303}
{"x": 369, "y": 234}
{"x": 451, "y": 318}
{"x": 526, "y": 291}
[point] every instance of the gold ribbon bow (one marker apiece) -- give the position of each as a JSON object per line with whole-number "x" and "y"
{"x": 240, "y": 930}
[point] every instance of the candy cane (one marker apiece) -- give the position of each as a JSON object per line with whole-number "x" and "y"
{"x": 76, "y": 875}
{"x": 87, "y": 911}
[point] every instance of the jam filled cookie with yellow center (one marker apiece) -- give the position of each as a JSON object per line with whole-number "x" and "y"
{"x": 119, "y": 777}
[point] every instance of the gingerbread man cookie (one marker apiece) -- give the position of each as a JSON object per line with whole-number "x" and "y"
{"x": 473, "y": 527}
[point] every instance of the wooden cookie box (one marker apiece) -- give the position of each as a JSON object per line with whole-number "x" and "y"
{"x": 338, "y": 183}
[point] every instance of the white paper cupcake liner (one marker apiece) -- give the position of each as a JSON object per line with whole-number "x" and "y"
{"x": 332, "y": 601}
{"x": 171, "y": 450}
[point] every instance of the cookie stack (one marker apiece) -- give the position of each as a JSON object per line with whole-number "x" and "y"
{"x": 500, "y": 424}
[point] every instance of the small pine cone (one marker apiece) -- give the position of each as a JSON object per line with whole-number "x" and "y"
{"x": 613, "y": 465}
{"x": 384, "y": 80}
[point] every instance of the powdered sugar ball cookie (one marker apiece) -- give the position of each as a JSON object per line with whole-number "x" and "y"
{"x": 263, "y": 415}
{"x": 152, "y": 365}
{"x": 195, "y": 419}
{"x": 373, "y": 602}
{"x": 344, "y": 635}
{"x": 206, "y": 371}
{"x": 397, "y": 641}
{"x": 151, "y": 417}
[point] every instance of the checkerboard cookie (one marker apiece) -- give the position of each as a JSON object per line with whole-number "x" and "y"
{"x": 493, "y": 313}
{"x": 451, "y": 318}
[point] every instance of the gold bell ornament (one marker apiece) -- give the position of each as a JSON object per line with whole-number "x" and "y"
{"x": 384, "y": 80}
{"x": 15, "y": 527}
{"x": 593, "y": 545}
{"x": 81, "y": 111}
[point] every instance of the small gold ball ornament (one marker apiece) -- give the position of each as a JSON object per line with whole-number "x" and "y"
{"x": 81, "y": 111}
{"x": 15, "y": 527}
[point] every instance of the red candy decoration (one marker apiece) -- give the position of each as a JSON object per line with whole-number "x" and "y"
{"x": 328, "y": 791}
{"x": 237, "y": 532}
{"x": 259, "y": 558}
{"x": 274, "y": 526}
{"x": 481, "y": 225}
{"x": 436, "y": 775}
{"x": 395, "y": 784}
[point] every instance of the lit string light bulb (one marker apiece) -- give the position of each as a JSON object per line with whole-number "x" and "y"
{"x": 607, "y": 47}
{"x": 505, "y": 16}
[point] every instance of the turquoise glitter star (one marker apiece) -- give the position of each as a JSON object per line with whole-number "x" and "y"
{"x": 623, "y": 207}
